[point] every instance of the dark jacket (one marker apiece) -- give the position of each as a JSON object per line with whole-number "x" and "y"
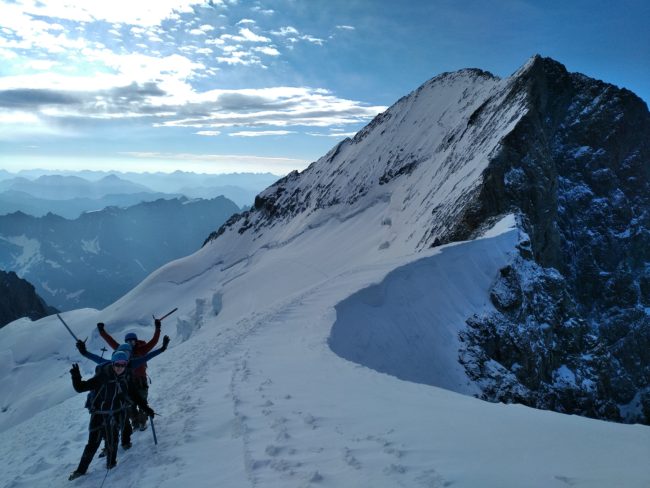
{"x": 111, "y": 393}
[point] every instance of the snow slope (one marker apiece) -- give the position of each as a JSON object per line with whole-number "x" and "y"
{"x": 307, "y": 330}
{"x": 255, "y": 397}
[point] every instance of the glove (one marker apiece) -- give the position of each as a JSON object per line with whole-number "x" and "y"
{"x": 149, "y": 411}
{"x": 100, "y": 326}
{"x": 81, "y": 346}
{"x": 166, "y": 340}
{"x": 74, "y": 371}
{"x": 157, "y": 323}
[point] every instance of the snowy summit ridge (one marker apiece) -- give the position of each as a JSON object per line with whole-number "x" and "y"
{"x": 569, "y": 155}
{"x": 482, "y": 236}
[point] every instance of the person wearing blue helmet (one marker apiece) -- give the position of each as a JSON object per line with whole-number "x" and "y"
{"x": 134, "y": 363}
{"x": 139, "y": 373}
{"x": 127, "y": 429}
{"x": 113, "y": 391}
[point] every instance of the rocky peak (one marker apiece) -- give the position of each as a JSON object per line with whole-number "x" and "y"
{"x": 576, "y": 168}
{"x": 570, "y": 155}
{"x": 19, "y": 299}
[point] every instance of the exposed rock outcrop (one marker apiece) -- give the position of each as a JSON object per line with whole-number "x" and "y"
{"x": 576, "y": 168}
{"x": 19, "y": 299}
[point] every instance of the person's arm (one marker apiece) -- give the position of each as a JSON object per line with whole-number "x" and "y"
{"x": 137, "y": 362}
{"x": 80, "y": 385}
{"x": 106, "y": 336}
{"x": 81, "y": 346}
{"x": 154, "y": 340}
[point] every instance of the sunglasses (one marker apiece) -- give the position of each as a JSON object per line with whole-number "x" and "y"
{"x": 121, "y": 364}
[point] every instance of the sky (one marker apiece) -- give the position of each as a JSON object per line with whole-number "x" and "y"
{"x": 257, "y": 86}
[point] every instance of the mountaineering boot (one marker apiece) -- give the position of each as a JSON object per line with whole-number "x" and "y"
{"x": 111, "y": 465}
{"x": 75, "y": 474}
{"x": 103, "y": 453}
{"x": 126, "y": 446}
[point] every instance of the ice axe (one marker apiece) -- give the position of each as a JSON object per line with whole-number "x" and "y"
{"x": 153, "y": 429}
{"x": 66, "y": 326}
{"x": 166, "y": 315}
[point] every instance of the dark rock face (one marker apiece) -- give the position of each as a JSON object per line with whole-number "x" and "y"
{"x": 571, "y": 331}
{"x": 19, "y": 299}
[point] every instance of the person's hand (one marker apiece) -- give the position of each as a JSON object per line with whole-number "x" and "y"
{"x": 100, "y": 326}
{"x": 157, "y": 323}
{"x": 74, "y": 371}
{"x": 166, "y": 340}
{"x": 81, "y": 346}
{"x": 149, "y": 411}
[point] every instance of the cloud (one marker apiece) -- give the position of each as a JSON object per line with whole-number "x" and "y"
{"x": 293, "y": 35}
{"x": 211, "y": 157}
{"x": 313, "y": 40}
{"x": 250, "y": 36}
{"x": 246, "y": 21}
{"x": 261, "y": 10}
{"x": 345, "y": 27}
{"x": 117, "y": 11}
{"x": 245, "y": 35}
{"x": 22, "y": 98}
{"x": 196, "y": 32}
{"x": 261, "y": 133}
{"x": 243, "y": 58}
{"x": 70, "y": 108}
{"x": 268, "y": 50}
{"x": 279, "y": 107}
{"x": 226, "y": 163}
{"x": 175, "y": 104}
{"x": 286, "y": 31}
{"x": 332, "y": 134}
{"x": 208, "y": 133}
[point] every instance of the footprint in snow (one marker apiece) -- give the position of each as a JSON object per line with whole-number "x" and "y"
{"x": 565, "y": 479}
{"x": 350, "y": 459}
{"x": 432, "y": 479}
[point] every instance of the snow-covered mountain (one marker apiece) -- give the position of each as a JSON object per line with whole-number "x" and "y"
{"x": 569, "y": 156}
{"x": 93, "y": 260}
{"x": 334, "y": 334}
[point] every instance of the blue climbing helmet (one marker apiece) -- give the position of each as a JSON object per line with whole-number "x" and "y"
{"x": 127, "y": 348}
{"x": 130, "y": 337}
{"x": 119, "y": 357}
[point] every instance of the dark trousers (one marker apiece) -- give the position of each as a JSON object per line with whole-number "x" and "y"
{"x": 138, "y": 417}
{"x": 102, "y": 426}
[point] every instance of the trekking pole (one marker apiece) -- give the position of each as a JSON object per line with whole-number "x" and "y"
{"x": 153, "y": 431}
{"x": 103, "y": 350}
{"x": 66, "y": 326}
{"x": 166, "y": 315}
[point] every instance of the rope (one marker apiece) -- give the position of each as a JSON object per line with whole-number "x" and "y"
{"x": 108, "y": 433}
{"x": 105, "y": 476}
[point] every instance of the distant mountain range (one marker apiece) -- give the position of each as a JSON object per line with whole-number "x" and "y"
{"x": 59, "y": 187}
{"x": 19, "y": 299}
{"x": 20, "y": 201}
{"x": 90, "y": 190}
{"x": 93, "y": 260}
